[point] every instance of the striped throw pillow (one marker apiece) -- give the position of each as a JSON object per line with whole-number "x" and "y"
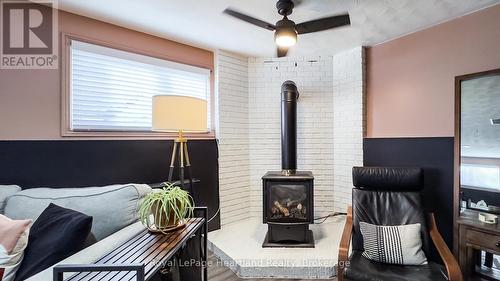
{"x": 399, "y": 244}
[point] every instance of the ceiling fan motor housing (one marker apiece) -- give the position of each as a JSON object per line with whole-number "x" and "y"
{"x": 284, "y": 7}
{"x": 284, "y": 23}
{"x": 285, "y": 28}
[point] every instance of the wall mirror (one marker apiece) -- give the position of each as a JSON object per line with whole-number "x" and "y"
{"x": 479, "y": 147}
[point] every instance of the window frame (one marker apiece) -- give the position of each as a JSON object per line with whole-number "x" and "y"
{"x": 66, "y": 131}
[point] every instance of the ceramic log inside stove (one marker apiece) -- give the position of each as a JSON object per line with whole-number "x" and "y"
{"x": 288, "y": 194}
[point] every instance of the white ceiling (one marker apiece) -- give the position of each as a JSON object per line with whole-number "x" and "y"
{"x": 201, "y": 22}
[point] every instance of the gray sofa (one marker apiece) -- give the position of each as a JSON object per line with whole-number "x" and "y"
{"x": 113, "y": 208}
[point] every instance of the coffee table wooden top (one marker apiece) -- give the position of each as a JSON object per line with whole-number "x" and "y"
{"x": 152, "y": 250}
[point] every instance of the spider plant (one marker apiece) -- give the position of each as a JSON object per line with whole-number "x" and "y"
{"x": 166, "y": 208}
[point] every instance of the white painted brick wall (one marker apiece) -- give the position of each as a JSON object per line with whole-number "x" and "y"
{"x": 234, "y": 168}
{"x": 330, "y": 126}
{"x": 348, "y": 121}
{"x": 314, "y": 79}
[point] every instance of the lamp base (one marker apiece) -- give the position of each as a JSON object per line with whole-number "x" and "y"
{"x": 180, "y": 149}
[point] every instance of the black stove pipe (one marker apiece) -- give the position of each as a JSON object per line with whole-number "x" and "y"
{"x": 289, "y": 97}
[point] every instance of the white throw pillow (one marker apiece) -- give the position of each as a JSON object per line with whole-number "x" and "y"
{"x": 13, "y": 241}
{"x": 5, "y": 192}
{"x": 399, "y": 244}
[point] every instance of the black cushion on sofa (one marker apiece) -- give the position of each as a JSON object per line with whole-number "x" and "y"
{"x": 57, "y": 234}
{"x": 91, "y": 240}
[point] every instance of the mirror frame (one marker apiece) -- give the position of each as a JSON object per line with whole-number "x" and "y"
{"x": 456, "y": 164}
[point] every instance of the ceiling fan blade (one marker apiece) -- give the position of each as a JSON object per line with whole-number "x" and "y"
{"x": 323, "y": 24}
{"x": 281, "y": 52}
{"x": 249, "y": 19}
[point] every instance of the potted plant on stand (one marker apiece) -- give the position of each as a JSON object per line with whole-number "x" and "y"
{"x": 166, "y": 209}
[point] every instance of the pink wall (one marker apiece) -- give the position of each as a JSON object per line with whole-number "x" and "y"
{"x": 411, "y": 79}
{"x": 30, "y": 100}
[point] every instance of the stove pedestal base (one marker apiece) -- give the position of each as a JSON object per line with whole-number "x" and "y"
{"x": 283, "y": 235}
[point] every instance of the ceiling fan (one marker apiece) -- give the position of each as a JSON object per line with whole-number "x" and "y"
{"x": 285, "y": 30}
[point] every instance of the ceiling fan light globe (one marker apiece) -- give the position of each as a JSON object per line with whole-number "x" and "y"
{"x": 285, "y": 37}
{"x": 285, "y": 41}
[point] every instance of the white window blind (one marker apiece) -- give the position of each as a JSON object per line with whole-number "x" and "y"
{"x": 112, "y": 90}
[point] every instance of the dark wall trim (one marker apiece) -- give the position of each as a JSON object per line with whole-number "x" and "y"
{"x": 435, "y": 156}
{"x": 79, "y": 163}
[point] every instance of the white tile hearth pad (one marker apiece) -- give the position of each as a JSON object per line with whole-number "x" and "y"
{"x": 239, "y": 247}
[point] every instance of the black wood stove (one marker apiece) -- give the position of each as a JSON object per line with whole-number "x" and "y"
{"x": 288, "y": 194}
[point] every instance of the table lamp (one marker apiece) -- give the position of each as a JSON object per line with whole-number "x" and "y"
{"x": 172, "y": 113}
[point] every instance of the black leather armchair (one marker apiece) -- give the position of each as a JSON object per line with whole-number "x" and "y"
{"x": 391, "y": 196}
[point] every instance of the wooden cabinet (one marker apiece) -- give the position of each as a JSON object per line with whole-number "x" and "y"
{"x": 482, "y": 239}
{"x": 475, "y": 236}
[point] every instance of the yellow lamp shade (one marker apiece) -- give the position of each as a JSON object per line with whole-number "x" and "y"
{"x": 175, "y": 113}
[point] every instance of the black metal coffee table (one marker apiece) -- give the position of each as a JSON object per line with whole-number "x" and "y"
{"x": 142, "y": 256}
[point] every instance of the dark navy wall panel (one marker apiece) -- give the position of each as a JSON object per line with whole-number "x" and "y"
{"x": 435, "y": 156}
{"x": 79, "y": 163}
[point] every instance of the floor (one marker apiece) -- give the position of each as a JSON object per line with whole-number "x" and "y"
{"x": 239, "y": 247}
{"x": 218, "y": 272}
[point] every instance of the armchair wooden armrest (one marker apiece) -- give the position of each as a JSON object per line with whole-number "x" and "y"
{"x": 451, "y": 264}
{"x": 345, "y": 241}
